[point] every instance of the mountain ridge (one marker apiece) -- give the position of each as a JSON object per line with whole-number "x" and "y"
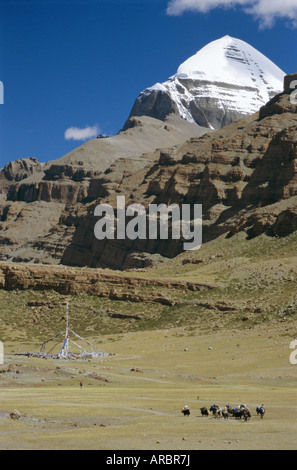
{"x": 244, "y": 175}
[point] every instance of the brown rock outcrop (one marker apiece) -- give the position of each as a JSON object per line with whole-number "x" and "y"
{"x": 70, "y": 281}
{"x": 41, "y": 204}
{"x": 15, "y": 414}
{"x": 21, "y": 169}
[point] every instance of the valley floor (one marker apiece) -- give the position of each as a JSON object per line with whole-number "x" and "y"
{"x": 132, "y": 400}
{"x": 171, "y": 344}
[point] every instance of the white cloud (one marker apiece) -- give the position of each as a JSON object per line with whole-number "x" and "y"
{"x": 177, "y": 7}
{"x": 266, "y": 11}
{"x": 75, "y": 133}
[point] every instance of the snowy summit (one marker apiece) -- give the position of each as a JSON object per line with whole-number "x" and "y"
{"x": 232, "y": 61}
{"x": 224, "y": 81}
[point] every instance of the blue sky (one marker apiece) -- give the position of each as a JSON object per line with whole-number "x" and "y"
{"x": 76, "y": 64}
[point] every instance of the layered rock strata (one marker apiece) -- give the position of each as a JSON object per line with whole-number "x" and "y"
{"x": 244, "y": 175}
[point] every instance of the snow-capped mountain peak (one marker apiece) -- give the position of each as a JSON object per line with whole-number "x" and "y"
{"x": 224, "y": 81}
{"x": 232, "y": 61}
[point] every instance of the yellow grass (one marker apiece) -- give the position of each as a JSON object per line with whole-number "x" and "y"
{"x": 141, "y": 408}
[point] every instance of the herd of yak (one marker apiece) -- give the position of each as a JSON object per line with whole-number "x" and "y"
{"x": 240, "y": 412}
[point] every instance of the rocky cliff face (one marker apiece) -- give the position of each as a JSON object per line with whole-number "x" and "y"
{"x": 69, "y": 281}
{"x": 244, "y": 175}
{"x": 225, "y": 81}
{"x": 40, "y": 203}
{"x": 69, "y": 180}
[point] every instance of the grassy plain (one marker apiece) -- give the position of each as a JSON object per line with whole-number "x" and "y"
{"x": 226, "y": 345}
